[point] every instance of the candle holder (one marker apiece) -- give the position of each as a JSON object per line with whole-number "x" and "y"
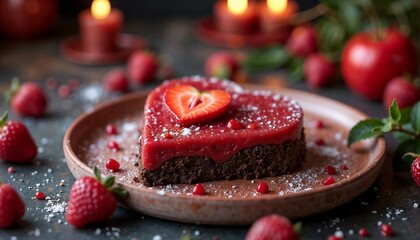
{"x": 100, "y": 41}
{"x": 269, "y": 29}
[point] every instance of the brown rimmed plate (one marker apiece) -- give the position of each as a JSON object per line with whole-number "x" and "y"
{"x": 235, "y": 202}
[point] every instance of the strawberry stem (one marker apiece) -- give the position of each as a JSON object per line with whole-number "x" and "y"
{"x": 14, "y": 87}
{"x": 3, "y": 119}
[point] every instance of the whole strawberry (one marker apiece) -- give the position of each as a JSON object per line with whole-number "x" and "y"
{"x": 319, "y": 70}
{"x": 404, "y": 90}
{"x": 142, "y": 67}
{"x": 303, "y": 41}
{"x": 92, "y": 200}
{"x": 27, "y": 99}
{"x": 115, "y": 81}
{"x": 221, "y": 64}
{"x": 16, "y": 143}
{"x": 272, "y": 227}
{"x": 415, "y": 170}
{"x": 12, "y": 207}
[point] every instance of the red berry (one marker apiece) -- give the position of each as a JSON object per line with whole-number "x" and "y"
{"x": 10, "y": 170}
{"x": 319, "y": 124}
{"x": 91, "y": 200}
{"x": 115, "y": 81}
{"x": 111, "y": 129}
{"x": 221, "y": 64}
{"x": 16, "y": 143}
{"x": 113, "y": 146}
{"x": 328, "y": 181}
{"x": 319, "y": 70}
{"x": 319, "y": 142}
{"x": 198, "y": 189}
{"x": 403, "y": 90}
{"x": 142, "y": 67}
{"x": 344, "y": 167}
{"x": 40, "y": 195}
{"x": 415, "y": 170}
{"x": 112, "y": 165}
{"x": 330, "y": 170}
{"x": 29, "y": 100}
{"x": 333, "y": 237}
{"x": 302, "y": 41}
{"x": 252, "y": 126}
{"x": 363, "y": 232}
{"x": 262, "y": 188}
{"x": 235, "y": 125}
{"x": 386, "y": 230}
{"x": 64, "y": 91}
{"x": 185, "y": 102}
{"x": 167, "y": 135}
{"x": 12, "y": 207}
{"x": 271, "y": 227}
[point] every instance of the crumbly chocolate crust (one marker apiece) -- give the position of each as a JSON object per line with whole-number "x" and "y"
{"x": 251, "y": 163}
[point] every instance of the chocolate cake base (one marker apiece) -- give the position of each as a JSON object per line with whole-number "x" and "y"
{"x": 251, "y": 163}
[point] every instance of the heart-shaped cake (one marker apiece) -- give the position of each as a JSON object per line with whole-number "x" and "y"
{"x": 200, "y": 129}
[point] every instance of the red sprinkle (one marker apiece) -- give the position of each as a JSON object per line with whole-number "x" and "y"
{"x": 320, "y": 142}
{"x": 344, "y": 167}
{"x": 262, "y": 188}
{"x": 40, "y": 195}
{"x": 10, "y": 170}
{"x": 386, "y": 230}
{"x": 235, "y": 125}
{"x": 52, "y": 83}
{"x": 198, "y": 189}
{"x": 112, "y": 165}
{"x": 330, "y": 170}
{"x": 328, "y": 181}
{"x": 252, "y": 126}
{"x": 113, "y": 146}
{"x": 319, "y": 124}
{"x": 111, "y": 129}
{"x": 167, "y": 135}
{"x": 64, "y": 91}
{"x": 73, "y": 84}
{"x": 363, "y": 232}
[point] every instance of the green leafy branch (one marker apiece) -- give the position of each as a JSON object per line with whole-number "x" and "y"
{"x": 403, "y": 124}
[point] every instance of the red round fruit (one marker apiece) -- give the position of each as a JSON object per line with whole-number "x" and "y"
{"x": 235, "y": 125}
{"x": 252, "y": 126}
{"x": 111, "y": 129}
{"x": 386, "y": 230}
{"x": 330, "y": 170}
{"x": 363, "y": 232}
{"x": 405, "y": 92}
{"x": 112, "y": 165}
{"x": 262, "y": 188}
{"x": 303, "y": 41}
{"x": 116, "y": 81}
{"x": 29, "y": 100}
{"x": 369, "y": 63}
{"x": 40, "y": 195}
{"x": 415, "y": 170}
{"x": 221, "y": 64}
{"x": 319, "y": 70}
{"x": 198, "y": 189}
{"x": 272, "y": 226}
{"x": 113, "y": 146}
{"x": 142, "y": 67}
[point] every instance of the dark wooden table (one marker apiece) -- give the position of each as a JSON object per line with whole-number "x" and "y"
{"x": 392, "y": 198}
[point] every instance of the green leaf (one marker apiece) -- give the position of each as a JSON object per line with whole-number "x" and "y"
{"x": 109, "y": 182}
{"x": 119, "y": 192}
{"x": 401, "y": 136}
{"x": 295, "y": 67}
{"x": 394, "y": 111}
{"x": 266, "y": 59}
{"x": 331, "y": 35}
{"x": 97, "y": 173}
{"x": 415, "y": 118}
{"x": 405, "y": 116}
{"x": 365, "y": 129}
{"x": 403, "y": 164}
{"x": 350, "y": 15}
{"x": 3, "y": 119}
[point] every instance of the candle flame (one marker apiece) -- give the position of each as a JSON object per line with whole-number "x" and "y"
{"x": 100, "y": 9}
{"x": 277, "y": 6}
{"x": 237, "y": 7}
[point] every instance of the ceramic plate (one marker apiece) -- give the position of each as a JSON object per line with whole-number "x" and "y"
{"x": 235, "y": 202}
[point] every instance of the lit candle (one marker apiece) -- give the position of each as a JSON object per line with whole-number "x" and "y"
{"x": 99, "y": 27}
{"x": 236, "y": 16}
{"x": 276, "y": 14}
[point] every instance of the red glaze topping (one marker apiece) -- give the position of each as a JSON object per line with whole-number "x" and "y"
{"x": 277, "y": 117}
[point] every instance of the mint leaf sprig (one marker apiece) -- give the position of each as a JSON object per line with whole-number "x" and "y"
{"x": 403, "y": 124}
